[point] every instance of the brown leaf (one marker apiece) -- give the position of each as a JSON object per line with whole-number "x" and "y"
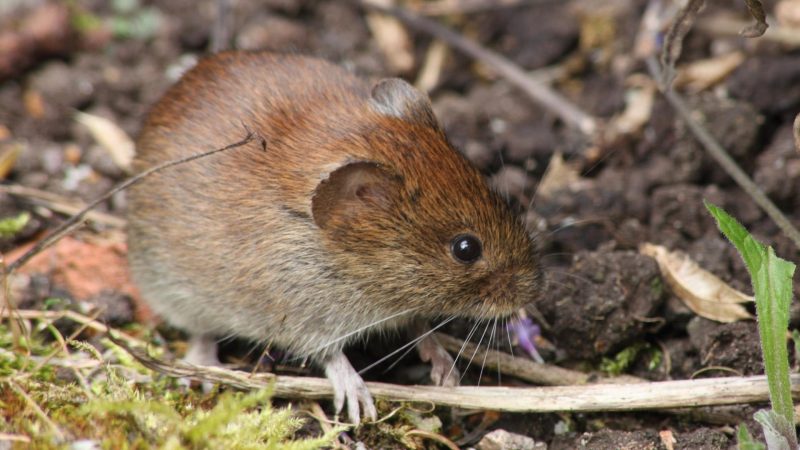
{"x": 757, "y": 11}
{"x": 559, "y": 175}
{"x": 111, "y": 137}
{"x": 703, "y": 292}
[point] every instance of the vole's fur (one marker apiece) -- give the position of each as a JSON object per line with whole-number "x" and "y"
{"x": 346, "y": 219}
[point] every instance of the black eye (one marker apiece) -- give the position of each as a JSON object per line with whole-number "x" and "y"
{"x": 466, "y": 248}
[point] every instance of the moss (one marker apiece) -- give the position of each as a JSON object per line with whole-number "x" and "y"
{"x": 55, "y": 398}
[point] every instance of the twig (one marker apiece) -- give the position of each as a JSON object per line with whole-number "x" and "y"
{"x": 540, "y": 93}
{"x": 77, "y": 219}
{"x": 732, "y": 27}
{"x": 61, "y": 204}
{"x": 36, "y": 409}
{"x": 449, "y": 7}
{"x": 673, "y": 41}
{"x": 796, "y": 132}
{"x": 584, "y": 398}
{"x": 723, "y": 159}
{"x": 32, "y": 314}
{"x": 524, "y": 369}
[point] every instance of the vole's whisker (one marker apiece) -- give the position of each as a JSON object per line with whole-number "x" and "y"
{"x": 365, "y": 327}
{"x": 497, "y": 349}
{"x": 577, "y": 277}
{"x": 488, "y": 349}
{"x": 485, "y": 329}
{"x": 570, "y": 225}
{"x": 413, "y": 342}
{"x": 419, "y": 338}
{"x": 461, "y": 350}
{"x": 508, "y": 335}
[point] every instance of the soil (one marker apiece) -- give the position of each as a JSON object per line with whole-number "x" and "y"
{"x": 603, "y": 296}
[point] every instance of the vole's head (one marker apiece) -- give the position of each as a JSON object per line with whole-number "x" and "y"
{"x": 416, "y": 225}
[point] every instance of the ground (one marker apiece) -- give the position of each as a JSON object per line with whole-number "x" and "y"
{"x": 114, "y": 59}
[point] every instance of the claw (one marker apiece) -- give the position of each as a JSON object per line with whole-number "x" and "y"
{"x": 443, "y": 371}
{"x": 202, "y": 352}
{"x": 348, "y": 385}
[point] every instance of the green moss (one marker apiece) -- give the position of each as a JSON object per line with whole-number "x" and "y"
{"x": 55, "y": 398}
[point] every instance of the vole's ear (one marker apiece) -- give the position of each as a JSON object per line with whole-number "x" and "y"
{"x": 353, "y": 191}
{"x": 395, "y": 97}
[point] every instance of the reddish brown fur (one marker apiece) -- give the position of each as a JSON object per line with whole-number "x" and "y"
{"x": 229, "y": 244}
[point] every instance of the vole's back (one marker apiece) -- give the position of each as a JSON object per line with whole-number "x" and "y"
{"x": 224, "y": 245}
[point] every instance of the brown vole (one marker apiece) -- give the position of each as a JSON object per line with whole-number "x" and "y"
{"x": 359, "y": 216}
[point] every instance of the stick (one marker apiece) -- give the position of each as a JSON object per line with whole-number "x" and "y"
{"x": 61, "y": 204}
{"x": 540, "y": 93}
{"x": 74, "y": 221}
{"x": 583, "y": 398}
{"x": 524, "y": 369}
{"x": 723, "y": 159}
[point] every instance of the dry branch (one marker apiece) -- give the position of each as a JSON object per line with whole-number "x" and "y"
{"x": 538, "y": 92}
{"x": 714, "y": 148}
{"x": 61, "y": 204}
{"x": 522, "y": 368}
{"x": 583, "y": 398}
{"x": 75, "y": 221}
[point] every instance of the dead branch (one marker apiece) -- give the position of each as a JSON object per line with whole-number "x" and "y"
{"x": 582, "y": 398}
{"x": 75, "y": 221}
{"x": 719, "y": 154}
{"x": 61, "y": 204}
{"x": 522, "y": 368}
{"x": 538, "y": 92}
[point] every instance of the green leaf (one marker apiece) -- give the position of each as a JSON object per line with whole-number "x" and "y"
{"x": 779, "y": 433}
{"x": 745, "y": 441}
{"x": 772, "y": 283}
{"x": 13, "y": 225}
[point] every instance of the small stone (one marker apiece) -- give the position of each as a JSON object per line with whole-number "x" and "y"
{"x": 503, "y": 440}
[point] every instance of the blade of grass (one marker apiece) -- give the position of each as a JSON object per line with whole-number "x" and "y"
{"x": 772, "y": 283}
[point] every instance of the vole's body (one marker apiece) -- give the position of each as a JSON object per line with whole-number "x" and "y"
{"x": 345, "y": 220}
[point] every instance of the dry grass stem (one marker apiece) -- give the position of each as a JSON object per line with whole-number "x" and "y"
{"x": 582, "y": 398}
{"x": 61, "y": 204}
{"x": 538, "y": 92}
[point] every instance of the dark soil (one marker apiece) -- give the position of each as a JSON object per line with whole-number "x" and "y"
{"x": 603, "y": 296}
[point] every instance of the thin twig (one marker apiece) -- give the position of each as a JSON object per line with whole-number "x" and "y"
{"x": 540, "y": 93}
{"x": 88, "y": 322}
{"x": 36, "y": 409}
{"x": 522, "y": 368}
{"x": 716, "y": 151}
{"x": 61, "y": 204}
{"x": 449, "y": 7}
{"x": 77, "y": 219}
{"x": 583, "y": 398}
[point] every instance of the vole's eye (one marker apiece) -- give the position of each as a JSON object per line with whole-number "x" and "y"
{"x": 466, "y": 248}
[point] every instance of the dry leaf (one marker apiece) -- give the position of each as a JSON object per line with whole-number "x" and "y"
{"x": 392, "y": 38}
{"x": 559, "y": 175}
{"x": 703, "y": 292}
{"x": 431, "y": 69}
{"x": 8, "y": 157}
{"x": 639, "y": 101}
{"x": 701, "y": 75}
{"x": 111, "y": 137}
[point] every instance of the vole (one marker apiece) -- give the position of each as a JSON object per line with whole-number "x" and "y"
{"x": 357, "y": 217}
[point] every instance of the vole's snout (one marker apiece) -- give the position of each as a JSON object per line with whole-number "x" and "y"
{"x": 507, "y": 290}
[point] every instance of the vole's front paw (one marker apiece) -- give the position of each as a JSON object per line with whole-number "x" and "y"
{"x": 202, "y": 352}
{"x": 348, "y": 385}
{"x": 443, "y": 368}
